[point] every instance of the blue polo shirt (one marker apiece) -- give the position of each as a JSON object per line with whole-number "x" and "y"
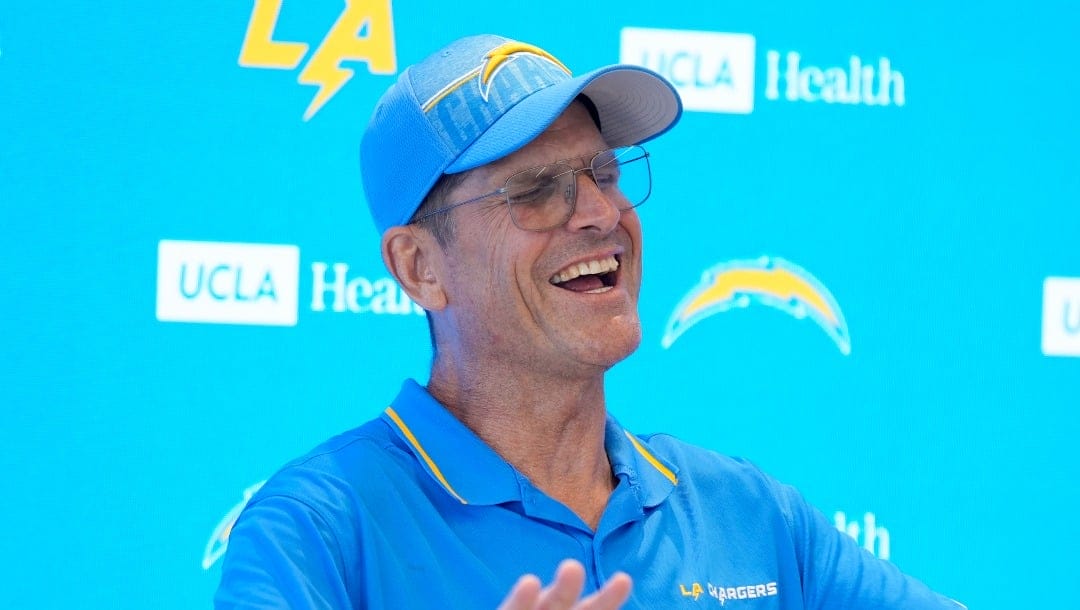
{"x": 413, "y": 510}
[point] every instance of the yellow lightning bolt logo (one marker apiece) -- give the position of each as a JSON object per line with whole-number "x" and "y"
{"x": 363, "y": 32}
{"x": 500, "y": 55}
{"x": 343, "y": 43}
{"x": 494, "y": 60}
{"x": 773, "y": 282}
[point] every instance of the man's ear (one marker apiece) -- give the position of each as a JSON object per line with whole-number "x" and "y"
{"x": 413, "y": 257}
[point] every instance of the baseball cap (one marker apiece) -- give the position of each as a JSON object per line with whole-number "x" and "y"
{"x": 483, "y": 97}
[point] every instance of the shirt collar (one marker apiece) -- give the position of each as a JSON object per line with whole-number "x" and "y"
{"x": 471, "y": 472}
{"x": 465, "y": 466}
{"x": 650, "y": 476}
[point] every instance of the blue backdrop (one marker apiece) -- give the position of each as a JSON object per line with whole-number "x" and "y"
{"x": 862, "y": 269}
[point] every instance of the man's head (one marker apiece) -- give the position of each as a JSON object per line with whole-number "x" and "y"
{"x": 481, "y": 98}
{"x": 455, "y": 158}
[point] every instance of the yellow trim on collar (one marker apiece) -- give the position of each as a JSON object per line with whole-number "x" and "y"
{"x": 423, "y": 454}
{"x": 664, "y": 470}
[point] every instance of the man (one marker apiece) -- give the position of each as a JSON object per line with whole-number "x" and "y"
{"x": 505, "y": 189}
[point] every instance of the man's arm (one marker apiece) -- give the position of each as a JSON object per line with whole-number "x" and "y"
{"x": 838, "y": 573}
{"x": 282, "y": 554}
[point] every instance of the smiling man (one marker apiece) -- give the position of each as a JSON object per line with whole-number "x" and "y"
{"x": 504, "y": 189}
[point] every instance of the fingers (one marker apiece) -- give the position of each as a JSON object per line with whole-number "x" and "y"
{"x": 524, "y": 595}
{"x": 565, "y": 592}
{"x": 613, "y": 595}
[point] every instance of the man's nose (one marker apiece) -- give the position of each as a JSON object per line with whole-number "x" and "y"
{"x": 593, "y": 211}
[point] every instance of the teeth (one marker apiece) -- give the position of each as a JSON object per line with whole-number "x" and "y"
{"x": 594, "y": 267}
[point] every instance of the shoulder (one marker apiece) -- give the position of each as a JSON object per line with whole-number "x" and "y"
{"x": 292, "y": 537}
{"x": 700, "y": 463}
{"x": 337, "y": 475}
{"x": 708, "y": 472}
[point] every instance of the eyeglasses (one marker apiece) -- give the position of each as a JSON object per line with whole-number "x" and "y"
{"x": 543, "y": 198}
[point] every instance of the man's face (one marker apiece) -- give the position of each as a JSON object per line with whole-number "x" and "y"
{"x": 509, "y": 301}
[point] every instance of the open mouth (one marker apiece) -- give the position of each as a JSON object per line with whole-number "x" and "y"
{"x": 593, "y": 277}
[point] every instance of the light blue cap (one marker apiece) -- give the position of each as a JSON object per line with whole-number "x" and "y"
{"x": 483, "y": 97}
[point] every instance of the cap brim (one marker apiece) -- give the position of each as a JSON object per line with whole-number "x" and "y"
{"x": 634, "y": 104}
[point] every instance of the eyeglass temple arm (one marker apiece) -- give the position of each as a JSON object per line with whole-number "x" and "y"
{"x": 501, "y": 191}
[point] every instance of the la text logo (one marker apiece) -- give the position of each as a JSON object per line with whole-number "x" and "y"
{"x": 343, "y": 42}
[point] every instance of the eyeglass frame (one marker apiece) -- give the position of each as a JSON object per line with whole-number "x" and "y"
{"x": 573, "y": 206}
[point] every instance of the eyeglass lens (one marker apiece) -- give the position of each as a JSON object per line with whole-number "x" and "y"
{"x": 543, "y": 197}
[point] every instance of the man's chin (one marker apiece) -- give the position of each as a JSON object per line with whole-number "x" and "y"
{"x": 618, "y": 346}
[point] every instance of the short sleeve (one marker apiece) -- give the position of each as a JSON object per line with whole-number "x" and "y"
{"x": 837, "y": 573}
{"x": 282, "y": 554}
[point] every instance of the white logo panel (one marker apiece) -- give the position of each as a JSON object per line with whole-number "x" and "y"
{"x": 227, "y": 283}
{"x": 713, "y": 71}
{"x": 1061, "y": 316}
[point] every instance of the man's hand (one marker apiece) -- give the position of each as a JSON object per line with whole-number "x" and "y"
{"x": 565, "y": 592}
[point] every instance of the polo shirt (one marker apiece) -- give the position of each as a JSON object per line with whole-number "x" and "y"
{"x": 413, "y": 510}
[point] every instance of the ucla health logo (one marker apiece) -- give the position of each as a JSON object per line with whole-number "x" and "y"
{"x": 342, "y": 42}
{"x": 227, "y": 283}
{"x": 1061, "y": 316}
{"x": 767, "y": 281}
{"x": 259, "y": 284}
{"x": 713, "y": 71}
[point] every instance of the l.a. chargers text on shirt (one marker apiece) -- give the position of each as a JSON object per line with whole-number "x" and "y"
{"x": 724, "y": 594}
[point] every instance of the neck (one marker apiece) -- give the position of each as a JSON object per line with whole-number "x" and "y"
{"x": 550, "y": 429}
